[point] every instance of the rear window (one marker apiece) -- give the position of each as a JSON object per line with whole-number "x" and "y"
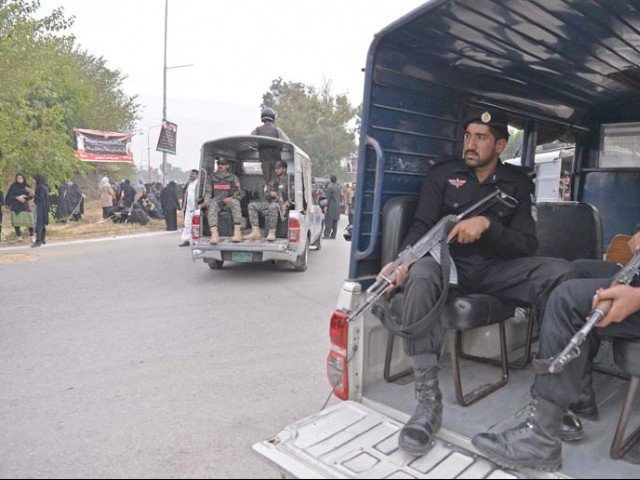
{"x": 252, "y": 168}
{"x": 620, "y": 145}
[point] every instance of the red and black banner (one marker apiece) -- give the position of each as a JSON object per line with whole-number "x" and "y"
{"x": 97, "y": 146}
{"x": 168, "y": 138}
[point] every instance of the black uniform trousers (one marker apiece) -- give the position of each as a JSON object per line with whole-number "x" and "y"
{"x": 331, "y": 227}
{"x": 527, "y": 279}
{"x": 565, "y": 314}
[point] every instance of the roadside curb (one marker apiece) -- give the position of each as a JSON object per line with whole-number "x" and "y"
{"x": 88, "y": 240}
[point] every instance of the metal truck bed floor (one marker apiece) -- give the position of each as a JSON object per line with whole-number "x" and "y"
{"x": 506, "y": 407}
{"x": 351, "y": 440}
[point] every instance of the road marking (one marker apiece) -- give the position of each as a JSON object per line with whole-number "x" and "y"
{"x": 89, "y": 240}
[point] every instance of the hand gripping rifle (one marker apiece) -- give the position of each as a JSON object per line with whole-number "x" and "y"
{"x": 431, "y": 243}
{"x": 572, "y": 350}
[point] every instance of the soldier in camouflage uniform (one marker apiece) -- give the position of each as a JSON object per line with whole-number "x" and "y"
{"x": 223, "y": 193}
{"x": 278, "y": 191}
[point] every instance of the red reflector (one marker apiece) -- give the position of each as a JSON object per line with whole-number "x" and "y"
{"x": 338, "y": 374}
{"x": 294, "y": 230}
{"x": 339, "y": 329}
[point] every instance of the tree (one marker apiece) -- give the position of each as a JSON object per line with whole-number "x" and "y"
{"x": 319, "y": 122}
{"x": 49, "y": 86}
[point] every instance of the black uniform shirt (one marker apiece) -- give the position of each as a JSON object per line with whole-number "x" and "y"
{"x": 452, "y": 187}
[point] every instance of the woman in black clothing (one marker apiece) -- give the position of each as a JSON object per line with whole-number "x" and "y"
{"x": 41, "y": 200}
{"x": 170, "y": 205}
{"x": 1, "y": 204}
{"x": 17, "y": 200}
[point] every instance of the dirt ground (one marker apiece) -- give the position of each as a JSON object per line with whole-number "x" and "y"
{"x": 88, "y": 227}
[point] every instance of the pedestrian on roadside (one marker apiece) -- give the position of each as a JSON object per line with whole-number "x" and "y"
{"x": 128, "y": 194}
{"x": 189, "y": 206}
{"x": 107, "y": 196}
{"x": 170, "y": 203}
{"x": 17, "y": 199}
{"x": 333, "y": 195}
{"x": 1, "y": 204}
{"x": 41, "y": 199}
{"x": 73, "y": 202}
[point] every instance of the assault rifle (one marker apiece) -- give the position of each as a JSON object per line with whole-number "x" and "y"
{"x": 572, "y": 350}
{"x": 430, "y": 243}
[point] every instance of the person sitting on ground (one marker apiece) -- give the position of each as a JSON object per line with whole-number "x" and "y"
{"x": 120, "y": 213}
{"x": 277, "y": 191}
{"x": 223, "y": 193}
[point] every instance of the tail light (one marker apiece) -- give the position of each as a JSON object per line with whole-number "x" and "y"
{"x": 339, "y": 329}
{"x": 338, "y": 375}
{"x": 294, "y": 230}
{"x": 337, "y": 371}
{"x": 195, "y": 226}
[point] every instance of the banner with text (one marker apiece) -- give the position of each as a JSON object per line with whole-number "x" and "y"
{"x": 97, "y": 146}
{"x": 168, "y": 138}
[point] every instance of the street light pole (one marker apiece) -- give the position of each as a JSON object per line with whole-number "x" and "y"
{"x": 164, "y": 88}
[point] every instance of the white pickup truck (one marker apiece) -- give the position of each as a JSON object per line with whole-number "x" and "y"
{"x": 297, "y": 232}
{"x": 540, "y": 62}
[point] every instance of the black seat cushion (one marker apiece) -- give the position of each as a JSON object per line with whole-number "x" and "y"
{"x": 465, "y": 312}
{"x": 461, "y": 312}
{"x": 626, "y": 354}
{"x": 569, "y": 230}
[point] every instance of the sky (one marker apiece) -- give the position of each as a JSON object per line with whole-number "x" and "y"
{"x": 236, "y": 48}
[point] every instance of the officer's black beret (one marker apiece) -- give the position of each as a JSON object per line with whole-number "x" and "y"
{"x": 491, "y": 118}
{"x": 281, "y": 164}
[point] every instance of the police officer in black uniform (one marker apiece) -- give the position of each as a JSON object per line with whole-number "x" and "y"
{"x": 492, "y": 253}
{"x": 536, "y": 443}
{"x": 269, "y": 156}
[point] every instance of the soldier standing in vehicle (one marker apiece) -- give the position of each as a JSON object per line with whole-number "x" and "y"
{"x": 223, "y": 193}
{"x": 537, "y": 442}
{"x": 492, "y": 255}
{"x": 269, "y": 155}
{"x": 277, "y": 194}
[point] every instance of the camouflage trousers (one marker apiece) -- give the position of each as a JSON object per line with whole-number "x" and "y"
{"x": 216, "y": 207}
{"x": 269, "y": 210}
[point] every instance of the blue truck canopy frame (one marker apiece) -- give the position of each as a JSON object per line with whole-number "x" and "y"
{"x": 556, "y": 67}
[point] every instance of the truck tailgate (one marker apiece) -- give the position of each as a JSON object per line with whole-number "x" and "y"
{"x": 350, "y": 440}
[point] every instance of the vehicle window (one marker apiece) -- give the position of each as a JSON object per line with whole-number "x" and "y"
{"x": 514, "y": 146}
{"x": 252, "y": 168}
{"x": 620, "y": 145}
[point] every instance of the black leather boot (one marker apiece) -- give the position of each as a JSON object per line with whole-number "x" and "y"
{"x": 571, "y": 428}
{"x": 417, "y": 436}
{"x": 586, "y": 406}
{"x": 533, "y": 444}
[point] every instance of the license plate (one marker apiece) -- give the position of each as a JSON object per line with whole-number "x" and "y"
{"x": 246, "y": 257}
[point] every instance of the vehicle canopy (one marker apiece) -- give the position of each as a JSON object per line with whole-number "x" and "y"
{"x": 246, "y": 148}
{"x": 560, "y": 69}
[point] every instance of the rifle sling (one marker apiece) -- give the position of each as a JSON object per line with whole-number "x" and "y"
{"x": 418, "y": 329}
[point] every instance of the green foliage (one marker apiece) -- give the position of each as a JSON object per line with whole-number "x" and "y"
{"x": 49, "y": 86}
{"x": 321, "y": 123}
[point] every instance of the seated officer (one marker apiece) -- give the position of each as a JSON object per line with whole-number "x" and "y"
{"x": 536, "y": 443}
{"x": 223, "y": 193}
{"x": 277, "y": 198}
{"x": 492, "y": 254}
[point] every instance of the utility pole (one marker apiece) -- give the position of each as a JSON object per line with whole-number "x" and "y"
{"x": 164, "y": 87}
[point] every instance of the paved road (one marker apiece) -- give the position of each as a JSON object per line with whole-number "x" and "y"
{"x": 125, "y": 359}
